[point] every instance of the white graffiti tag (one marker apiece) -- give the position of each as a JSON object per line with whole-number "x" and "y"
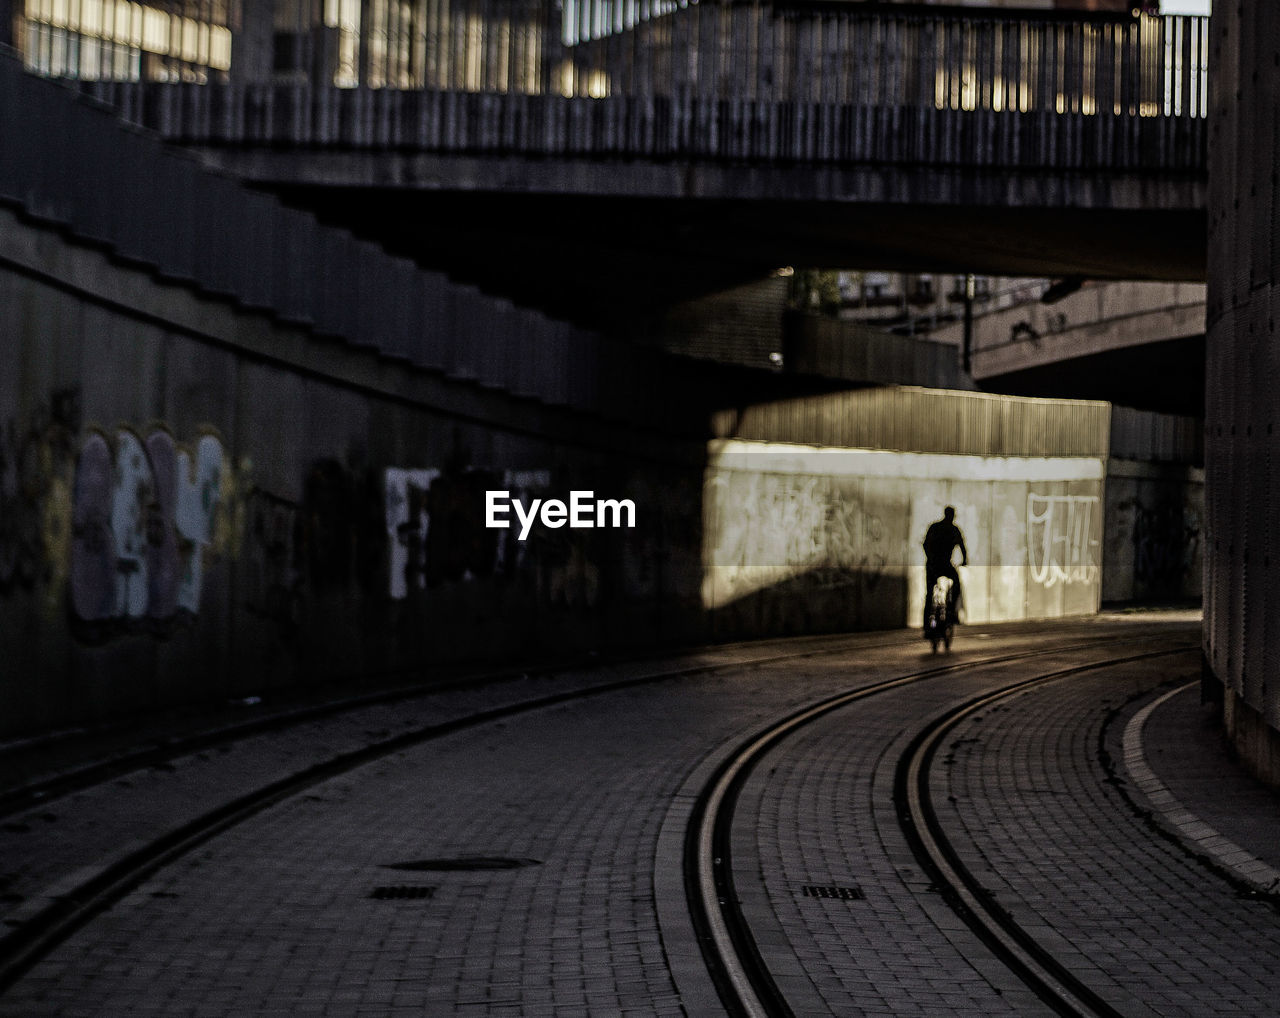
{"x": 407, "y": 523}
{"x": 1060, "y": 541}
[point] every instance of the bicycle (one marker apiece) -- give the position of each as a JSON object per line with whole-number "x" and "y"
{"x": 940, "y": 614}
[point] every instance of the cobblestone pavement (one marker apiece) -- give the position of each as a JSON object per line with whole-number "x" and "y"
{"x": 278, "y": 915}
{"x": 1070, "y": 852}
{"x": 1040, "y": 811}
{"x": 275, "y": 917}
{"x": 51, "y": 846}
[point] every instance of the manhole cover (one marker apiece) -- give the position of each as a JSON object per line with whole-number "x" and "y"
{"x": 469, "y": 863}
{"x": 402, "y": 892}
{"x": 830, "y": 891}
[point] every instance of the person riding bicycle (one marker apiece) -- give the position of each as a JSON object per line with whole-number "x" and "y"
{"x": 940, "y": 540}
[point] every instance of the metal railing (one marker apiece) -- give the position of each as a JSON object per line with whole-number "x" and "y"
{"x": 735, "y": 79}
{"x": 895, "y": 55}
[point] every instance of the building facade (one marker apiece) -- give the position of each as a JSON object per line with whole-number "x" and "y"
{"x": 119, "y": 40}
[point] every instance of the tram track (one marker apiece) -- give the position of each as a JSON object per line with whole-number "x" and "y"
{"x": 42, "y": 930}
{"x": 741, "y": 974}
{"x": 159, "y": 752}
{"x": 39, "y": 933}
{"x": 1051, "y": 980}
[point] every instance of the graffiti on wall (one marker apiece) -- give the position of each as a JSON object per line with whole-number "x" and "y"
{"x": 771, "y": 527}
{"x": 408, "y": 523}
{"x": 291, "y": 550}
{"x": 36, "y": 462}
{"x": 435, "y": 531}
{"x": 524, "y": 485}
{"x": 776, "y": 523}
{"x": 342, "y": 526}
{"x": 458, "y": 544}
{"x": 663, "y": 556}
{"x": 560, "y": 563}
{"x": 143, "y": 511}
{"x": 1061, "y": 546}
{"x": 270, "y": 567}
{"x": 1166, "y": 543}
{"x": 859, "y": 537}
{"x": 435, "y": 526}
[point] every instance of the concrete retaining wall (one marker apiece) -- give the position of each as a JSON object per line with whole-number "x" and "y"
{"x": 1153, "y": 543}
{"x": 804, "y": 537}
{"x": 199, "y": 501}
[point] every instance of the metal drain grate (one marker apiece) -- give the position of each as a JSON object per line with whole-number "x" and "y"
{"x": 402, "y": 892}
{"x": 468, "y": 863}
{"x": 838, "y": 893}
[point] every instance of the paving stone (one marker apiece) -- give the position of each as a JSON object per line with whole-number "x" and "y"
{"x": 273, "y": 916}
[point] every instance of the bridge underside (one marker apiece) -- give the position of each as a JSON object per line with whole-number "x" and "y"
{"x": 601, "y": 260}
{"x": 1167, "y": 377}
{"x": 599, "y": 241}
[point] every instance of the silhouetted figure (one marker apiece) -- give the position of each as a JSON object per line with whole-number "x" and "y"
{"x": 940, "y": 540}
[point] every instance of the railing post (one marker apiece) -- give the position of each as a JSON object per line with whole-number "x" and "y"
{"x": 966, "y": 353}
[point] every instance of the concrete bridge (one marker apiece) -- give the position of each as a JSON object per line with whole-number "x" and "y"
{"x": 1140, "y": 344}
{"x": 673, "y": 148}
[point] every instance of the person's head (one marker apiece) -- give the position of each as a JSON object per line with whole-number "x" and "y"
{"x": 949, "y": 514}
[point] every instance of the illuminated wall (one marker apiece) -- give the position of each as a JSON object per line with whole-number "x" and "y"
{"x": 820, "y": 537}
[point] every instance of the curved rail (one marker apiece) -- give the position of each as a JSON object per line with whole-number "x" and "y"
{"x": 739, "y": 972}
{"x": 153, "y": 753}
{"x": 24, "y": 946}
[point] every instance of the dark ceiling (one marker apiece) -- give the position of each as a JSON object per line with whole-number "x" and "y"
{"x": 604, "y": 261}
{"x": 1167, "y": 377}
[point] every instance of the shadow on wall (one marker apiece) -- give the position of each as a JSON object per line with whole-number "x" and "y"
{"x": 840, "y": 532}
{"x": 438, "y": 584}
{"x": 1154, "y": 533}
{"x": 820, "y": 601}
{"x": 183, "y": 575}
{"x": 150, "y": 571}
